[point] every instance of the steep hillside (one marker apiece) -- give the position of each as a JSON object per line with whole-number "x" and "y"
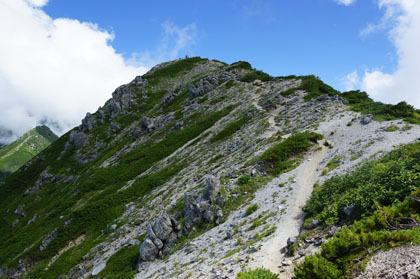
{"x": 17, "y": 153}
{"x": 197, "y": 169}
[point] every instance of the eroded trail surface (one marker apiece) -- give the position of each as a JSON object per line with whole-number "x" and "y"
{"x": 269, "y": 256}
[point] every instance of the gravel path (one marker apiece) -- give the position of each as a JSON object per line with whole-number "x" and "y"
{"x": 269, "y": 255}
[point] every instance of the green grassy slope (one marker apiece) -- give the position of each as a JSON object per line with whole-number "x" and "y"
{"x": 381, "y": 192}
{"x": 16, "y": 154}
{"x": 85, "y": 197}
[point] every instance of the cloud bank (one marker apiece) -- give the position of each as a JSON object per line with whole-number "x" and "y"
{"x": 53, "y": 71}
{"x": 402, "y": 21}
{"x": 345, "y": 2}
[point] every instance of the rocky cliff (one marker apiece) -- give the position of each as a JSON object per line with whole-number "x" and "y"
{"x": 198, "y": 169}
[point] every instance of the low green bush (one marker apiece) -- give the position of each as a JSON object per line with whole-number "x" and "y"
{"x": 239, "y": 65}
{"x": 380, "y": 192}
{"x": 317, "y": 267}
{"x": 256, "y": 74}
{"x": 360, "y": 101}
{"x": 244, "y": 179}
{"x": 384, "y": 181}
{"x": 259, "y": 273}
{"x": 392, "y": 128}
{"x": 251, "y": 209}
{"x": 122, "y": 265}
{"x": 277, "y": 159}
{"x": 231, "y": 128}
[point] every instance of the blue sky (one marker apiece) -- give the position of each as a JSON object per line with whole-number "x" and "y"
{"x": 317, "y": 37}
{"x": 62, "y": 58}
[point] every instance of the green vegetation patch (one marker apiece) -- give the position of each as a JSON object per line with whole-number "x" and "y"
{"x": 259, "y": 273}
{"x": 384, "y": 182}
{"x": 239, "y": 65}
{"x": 313, "y": 85}
{"x": 277, "y": 159}
{"x": 360, "y": 101}
{"x": 256, "y": 74}
{"x": 122, "y": 265}
{"x": 231, "y": 128}
{"x": 392, "y": 128}
{"x": 251, "y": 209}
{"x": 173, "y": 70}
{"x": 385, "y": 199}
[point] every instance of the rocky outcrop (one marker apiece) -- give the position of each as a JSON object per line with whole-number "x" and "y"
{"x": 366, "y": 119}
{"x": 76, "y": 138}
{"x": 48, "y": 239}
{"x": 203, "y": 86}
{"x": 89, "y": 123}
{"x": 204, "y": 207}
{"x": 161, "y": 235}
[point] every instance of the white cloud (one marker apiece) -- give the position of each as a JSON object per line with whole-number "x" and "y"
{"x": 345, "y": 2}
{"x": 351, "y": 81}
{"x": 403, "y": 84}
{"x": 175, "y": 41}
{"x": 37, "y": 3}
{"x": 56, "y": 70}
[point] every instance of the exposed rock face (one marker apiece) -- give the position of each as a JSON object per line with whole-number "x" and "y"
{"x": 77, "y": 138}
{"x": 160, "y": 236}
{"x": 203, "y": 207}
{"x": 47, "y": 240}
{"x": 148, "y": 251}
{"x": 366, "y": 119}
{"x": 203, "y": 86}
{"x": 89, "y": 123}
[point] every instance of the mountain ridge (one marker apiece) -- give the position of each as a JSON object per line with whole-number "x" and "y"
{"x": 17, "y": 153}
{"x": 216, "y": 149}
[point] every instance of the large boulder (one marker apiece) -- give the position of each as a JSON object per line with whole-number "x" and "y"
{"x": 160, "y": 237}
{"x": 162, "y": 226}
{"x": 148, "y": 251}
{"x": 203, "y": 207}
{"x": 366, "y": 119}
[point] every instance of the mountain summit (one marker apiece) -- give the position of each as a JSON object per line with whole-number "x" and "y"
{"x": 200, "y": 169}
{"x": 17, "y": 153}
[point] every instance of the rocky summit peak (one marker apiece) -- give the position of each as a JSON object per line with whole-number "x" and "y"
{"x": 200, "y": 169}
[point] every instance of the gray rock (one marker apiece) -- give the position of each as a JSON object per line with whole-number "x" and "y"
{"x": 98, "y": 269}
{"x": 175, "y": 225}
{"x": 19, "y": 211}
{"x": 333, "y": 230}
{"x": 47, "y": 240}
{"x": 348, "y": 210}
{"x": 329, "y": 143}
{"x": 139, "y": 81}
{"x": 168, "y": 98}
{"x": 152, "y": 236}
{"x": 33, "y": 219}
{"x": 3, "y": 271}
{"x": 314, "y": 224}
{"x": 162, "y": 227}
{"x": 78, "y": 139}
{"x": 322, "y": 98}
{"x": 148, "y": 251}
{"x": 366, "y": 119}
{"x": 291, "y": 240}
{"x": 89, "y": 123}
{"x": 212, "y": 188}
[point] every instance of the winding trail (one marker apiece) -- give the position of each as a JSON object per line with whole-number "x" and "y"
{"x": 269, "y": 255}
